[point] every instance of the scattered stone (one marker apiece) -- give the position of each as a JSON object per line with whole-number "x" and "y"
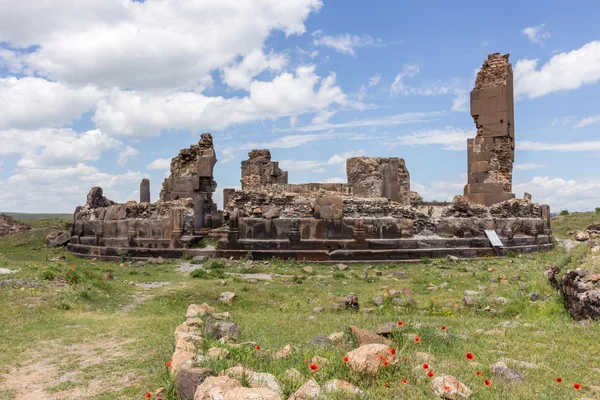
{"x": 337, "y": 385}
{"x": 226, "y": 297}
{"x": 471, "y": 293}
{"x": 522, "y": 364}
{"x": 365, "y": 359}
{"x": 222, "y": 329}
{"x": 292, "y": 374}
{"x": 58, "y": 259}
{"x": 509, "y": 324}
{"x": 342, "y": 267}
{"x": 308, "y": 269}
{"x": 400, "y": 275}
{"x": 320, "y": 341}
{"x": 257, "y": 277}
{"x": 351, "y": 301}
{"x": 499, "y": 300}
{"x": 336, "y": 337}
{"x": 581, "y": 236}
{"x": 310, "y": 390}
{"x": 200, "y": 258}
{"x": 188, "y": 379}
{"x": 378, "y": 300}
{"x": 6, "y": 271}
{"x": 469, "y": 301}
{"x": 367, "y": 337}
{"x": 501, "y": 370}
{"x": 393, "y": 293}
{"x": 195, "y": 310}
{"x": 448, "y": 387}
{"x": 284, "y": 352}
{"x": 223, "y": 387}
{"x": 534, "y": 296}
{"x": 180, "y": 358}
{"x": 387, "y": 329}
{"x": 319, "y": 360}
{"x": 152, "y": 285}
{"x": 108, "y": 276}
{"x": 10, "y": 225}
{"x": 318, "y": 309}
{"x": 218, "y": 353}
{"x": 424, "y": 357}
{"x": 57, "y": 238}
{"x": 265, "y": 380}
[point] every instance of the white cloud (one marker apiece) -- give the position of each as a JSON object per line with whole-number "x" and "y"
{"x": 374, "y": 80}
{"x": 291, "y": 141}
{"x": 125, "y": 154}
{"x": 408, "y": 70}
{"x": 564, "y": 121}
{"x": 388, "y": 120}
{"x": 319, "y": 166}
{"x": 461, "y": 101}
{"x": 449, "y": 138}
{"x": 572, "y": 194}
{"x": 564, "y": 71}
{"x": 336, "y": 179}
{"x": 528, "y": 166}
{"x": 143, "y": 45}
{"x": 54, "y": 147}
{"x": 536, "y": 34}
{"x": 593, "y": 145}
{"x": 344, "y": 43}
{"x": 440, "y": 190}
{"x": 239, "y": 75}
{"x": 159, "y": 164}
{"x": 139, "y": 114}
{"x": 588, "y": 121}
{"x": 31, "y": 103}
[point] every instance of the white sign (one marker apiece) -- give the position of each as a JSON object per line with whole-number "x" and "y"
{"x": 493, "y": 238}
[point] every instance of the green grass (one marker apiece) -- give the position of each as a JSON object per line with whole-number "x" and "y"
{"x": 110, "y": 340}
{"x": 38, "y": 216}
{"x": 574, "y": 221}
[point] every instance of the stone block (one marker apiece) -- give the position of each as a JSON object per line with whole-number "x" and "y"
{"x": 479, "y": 166}
{"x": 328, "y": 207}
{"x": 484, "y": 188}
{"x": 187, "y": 380}
{"x": 204, "y": 167}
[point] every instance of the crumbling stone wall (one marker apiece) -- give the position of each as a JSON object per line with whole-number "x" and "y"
{"x": 259, "y": 171}
{"x": 580, "y": 290}
{"x": 491, "y": 153}
{"x": 373, "y": 177}
{"x": 192, "y": 177}
{"x": 10, "y": 225}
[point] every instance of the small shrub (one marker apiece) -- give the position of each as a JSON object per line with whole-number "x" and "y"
{"x": 214, "y": 264}
{"x": 338, "y": 275}
{"x": 597, "y": 210}
{"x": 84, "y": 295}
{"x": 48, "y": 274}
{"x": 200, "y": 274}
{"x": 72, "y": 277}
{"x": 298, "y": 279}
{"x": 564, "y": 212}
{"x": 511, "y": 254}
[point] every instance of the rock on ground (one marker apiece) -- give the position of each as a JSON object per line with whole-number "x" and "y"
{"x": 448, "y": 387}
{"x": 187, "y": 380}
{"x": 310, "y": 390}
{"x": 227, "y": 297}
{"x": 222, "y": 329}
{"x": 501, "y": 370}
{"x": 367, "y": 337}
{"x": 337, "y": 385}
{"x": 225, "y": 388}
{"x": 195, "y": 310}
{"x": 366, "y": 359}
{"x": 284, "y": 352}
{"x": 58, "y": 238}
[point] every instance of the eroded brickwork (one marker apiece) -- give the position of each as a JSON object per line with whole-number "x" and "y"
{"x": 259, "y": 171}
{"x": 374, "y": 177}
{"x": 491, "y": 153}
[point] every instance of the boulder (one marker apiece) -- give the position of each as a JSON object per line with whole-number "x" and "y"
{"x": 222, "y": 329}
{"x": 264, "y": 380}
{"x": 187, "y": 380}
{"x": 195, "y": 310}
{"x": 366, "y": 359}
{"x": 180, "y": 358}
{"x": 57, "y": 238}
{"x": 581, "y": 236}
{"x": 501, "y": 370}
{"x": 284, "y": 352}
{"x": 367, "y": 337}
{"x": 218, "y": 353}
{"x": 448, "y": 387}
{"x": 351, "y": 301}
{"x": 225, "y": 388}
{"x": 387, "y": 329}
{"x": 337, "y": 385}
{"x": 226, "y": 297}
{"x": 310, "y": 390}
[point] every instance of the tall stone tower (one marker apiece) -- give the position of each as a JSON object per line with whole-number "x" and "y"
{"x": 490, "y": 155}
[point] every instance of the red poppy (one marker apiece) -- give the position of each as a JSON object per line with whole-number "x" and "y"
{"x": 386, "y": 384}
{"x": 339, "y": 343}
{"x": 430, "y": 374}
{"x": 478, "y": 373}
{"x": 576, "y": 386}
{"x": 417, "y": 339}
{"x": 380, "y": 356}
{"x": 313, "y": 367}
{"x": 168, "y": 364}
{"x": 559, "y": 380}
{"x": 405, "y": 359}
{"x": 392, "y": 351}
{"x": 425, "y": 366}
{"x": 346, "y": 359}
{"x": 470, "y": 356}
{"x": 305, "y": 361}
{"x": 385, "y": 363}
{"x": 443, "y": 327}
{"x": 404, "y": 381}
{"x": 257, "y": 347}
{"x": 487, "y": 382}
{"x": 148, "y": 395}
{"x": 400, "y": 323}
{"x": 447, "y": 388}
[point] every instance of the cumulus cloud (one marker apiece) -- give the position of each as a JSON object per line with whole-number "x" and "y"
{"x": 528, "y": 166}
{"x": 564, "y": 71}
{"x": 126, "y": 154}
{"x": 588, "y": 121}
{"x": 408, "y": 70}
{"x": 536, "y": 34}
{"x": 343, "y": 43}
{"x": 143, "y": 45}
{"x": 31, "y": 103}
{"x": 319, "y": 166}
{"x": 239, "y": 75}
{"x": 448, "y": 138}
{"x": 159, "y": 164}
{"x": 593, "y": 145}
{"x": 571, "y": 194}
{"x": 142, "y": 114}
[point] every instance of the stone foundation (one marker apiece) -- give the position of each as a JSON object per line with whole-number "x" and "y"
{"x": 580, "y": 290}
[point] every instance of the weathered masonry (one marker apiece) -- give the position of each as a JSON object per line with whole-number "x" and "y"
{"x": 374, "y": 216}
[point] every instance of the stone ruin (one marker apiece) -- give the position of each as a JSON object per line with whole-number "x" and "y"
{"x": 374, "y": 216}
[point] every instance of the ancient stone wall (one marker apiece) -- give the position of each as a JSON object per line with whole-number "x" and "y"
{"x": 259, "y": 171}
{"x": 580, "y": 290}
{"x": 373, "y": 177}
{"x": 491, "y": 153}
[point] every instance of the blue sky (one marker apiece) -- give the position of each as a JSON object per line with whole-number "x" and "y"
{"x": 105, "y": 92}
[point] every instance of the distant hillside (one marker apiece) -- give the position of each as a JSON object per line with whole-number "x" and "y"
{"x": 31, "y": 217}
{"x": 572, "y": 222}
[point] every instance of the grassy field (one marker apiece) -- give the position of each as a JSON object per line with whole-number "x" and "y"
{"x": 574, "y": 221}
{"x": 27, "y": 217}
{"x": 67, "y": 332}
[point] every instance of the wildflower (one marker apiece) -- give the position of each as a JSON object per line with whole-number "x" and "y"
{"x": 405, "y": 359}
{"x": 478, "y": 373}
{"x": 148, "y": 395}
{"x": 400, "y": 323}
{"x": 392, "y": 351}
{"x": 257, "y": 347}
{"x": 380, "y": 356}
{"x": 576, "y": 386}
{"x": 559, "y": 380}
{"x": 417, "y": 339}
{"x": 385, "y": 363}
{"x": 339, "y": 343}
{"x": 425, "y": 366}
{"x": 470, "y": 356}
{"x": 168, "y": 364}
{"x": 444, "y": 328}
{"x": 313, "y": 367}
{"x": 447, "y": 388}
{"x": 487, "y": 382}
{"x": 386, "y": 384}
{"x": 404, "y": 381}
{"x": 346, "y": 359}
{"x": 430, "y": 374}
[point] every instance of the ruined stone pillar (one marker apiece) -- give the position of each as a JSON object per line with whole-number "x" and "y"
{"x": 491, "y": 153}
{"x": 360, "y": 239}
{"x": 294, "y": 235}
{"x": 233, "y": 231}
{"x": 145, "y": 191}
{"x": 176, "y": 219}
